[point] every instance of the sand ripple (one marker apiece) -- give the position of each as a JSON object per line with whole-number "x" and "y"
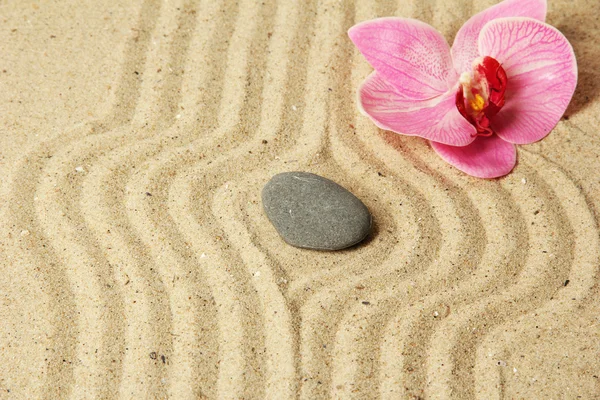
{"x": 148, "y": 270}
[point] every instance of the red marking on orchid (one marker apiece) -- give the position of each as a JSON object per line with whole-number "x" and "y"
{"x": 480, "y": 94}
{"x": 506, "y": 80}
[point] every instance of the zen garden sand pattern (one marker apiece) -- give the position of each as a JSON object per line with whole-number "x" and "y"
{"x": 137, "y": 261}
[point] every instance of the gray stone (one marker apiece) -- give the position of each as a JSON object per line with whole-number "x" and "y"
{"x": 313, "y": 212}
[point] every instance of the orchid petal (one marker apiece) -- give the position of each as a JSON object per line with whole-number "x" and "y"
{"x": 542, "y": 75}
{"x": 408, "y": 53}
{"x": 486, "y": 157}
{"x": 464, "y": 48}
{"x": 436, "y": 119}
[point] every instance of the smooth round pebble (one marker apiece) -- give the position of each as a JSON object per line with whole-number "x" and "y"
{"x": 313, "y": 212}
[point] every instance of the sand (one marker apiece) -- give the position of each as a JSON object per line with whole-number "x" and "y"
{"x": 137, "y": 262}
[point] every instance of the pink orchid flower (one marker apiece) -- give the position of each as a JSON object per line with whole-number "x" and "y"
{"x": 507, "y": 80}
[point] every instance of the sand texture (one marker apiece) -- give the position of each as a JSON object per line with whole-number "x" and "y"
{"x": 136, "y": 261}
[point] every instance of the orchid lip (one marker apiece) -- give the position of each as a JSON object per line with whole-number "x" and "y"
{"x": 481, "y": 93}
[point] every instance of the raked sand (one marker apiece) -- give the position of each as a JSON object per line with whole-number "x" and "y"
{"x": 136, "y": 261}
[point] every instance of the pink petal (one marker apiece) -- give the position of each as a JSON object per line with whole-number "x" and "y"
{"x": 486, "y": 157}
{"x": 436, "y": 119}
{"x": 542, "y": 75}
{"x": 464, "y": 48}
{"x": 408, "y": 53}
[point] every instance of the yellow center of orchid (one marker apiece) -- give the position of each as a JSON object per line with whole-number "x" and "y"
{"x": 474, "y": 92}
{"x": 477, "y": 103}
{"x": 480, "y": 93}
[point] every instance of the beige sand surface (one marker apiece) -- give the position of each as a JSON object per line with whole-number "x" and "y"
{"x": 136, "y": 262}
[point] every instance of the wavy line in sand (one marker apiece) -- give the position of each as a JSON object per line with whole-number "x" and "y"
{"x": 458, "y": 386}
{"x": 484, "y": 213}
{"x": 501, "y": 250}
{"x": 89, "y": 273}
{"x": 506, "y": 339}
{"x": 409, "y": 331}
{"x": 318, "y": 93}
{"x": 167, "y": 92}
{"x": 279, "y": 338}
{"x": 168, "y": 19}
{"x": 314, "y": 60}
{"x": 168, "y": 243}
{"x": 60, "y": 361}
{"x": 171, "y": 160}
{"x": 148, "y": 336}
{"x": 309, "y": 329}
{"x": 394, "y": 293}
{"x": 312, "y": 393}
{"x": 487, "y": 284}
{"x": 345, "y": 363}
{"x": 452, "y": 354}
{"x": 149, "y": 153}
{"x": 388, "y": 300}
